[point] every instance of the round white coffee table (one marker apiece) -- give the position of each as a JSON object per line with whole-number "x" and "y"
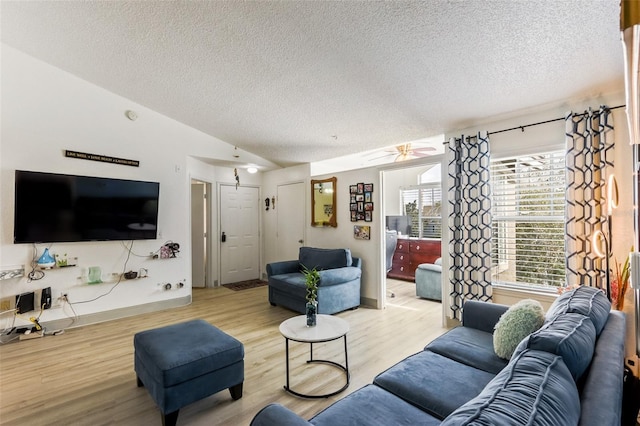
{"x": 327, "y": 328}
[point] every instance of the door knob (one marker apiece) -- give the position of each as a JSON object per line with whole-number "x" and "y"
{"x": 223, "y": 238}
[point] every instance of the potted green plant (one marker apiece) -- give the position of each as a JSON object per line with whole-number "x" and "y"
{"x": 311, "y": 279}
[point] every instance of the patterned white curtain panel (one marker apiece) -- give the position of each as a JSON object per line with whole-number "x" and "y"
{"x": 589, "y": 162}
{"x": 469, "y": 220}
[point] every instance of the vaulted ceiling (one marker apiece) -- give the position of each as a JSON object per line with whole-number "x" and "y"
{"x": 300, "y": 81}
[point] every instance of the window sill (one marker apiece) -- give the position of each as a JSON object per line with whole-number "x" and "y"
{"x": 508, "y": 295}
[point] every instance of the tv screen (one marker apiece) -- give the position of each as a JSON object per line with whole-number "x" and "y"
{"x": 64, "y": 208}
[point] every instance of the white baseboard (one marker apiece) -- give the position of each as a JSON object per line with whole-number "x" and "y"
{"x": 371, "y": 303}
{"x": 113, "y": 314}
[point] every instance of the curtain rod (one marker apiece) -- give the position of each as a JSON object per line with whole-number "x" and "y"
{"x": 533, "y": 124}
{"x": 541, "y": 122}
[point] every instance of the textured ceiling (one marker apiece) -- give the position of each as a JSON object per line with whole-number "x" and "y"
{"x": 304, "y": 81}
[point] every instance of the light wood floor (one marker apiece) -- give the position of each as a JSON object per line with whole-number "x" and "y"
{"x": 85, "y": 376}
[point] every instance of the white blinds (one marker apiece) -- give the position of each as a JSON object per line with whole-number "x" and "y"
{"x": 528, "y": 219}
{"x": 422, "y": 203}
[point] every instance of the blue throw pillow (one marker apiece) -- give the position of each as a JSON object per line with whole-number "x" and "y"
{"x": 584, "y": 300}
{"x": 572, "y": 336}
{"x": 515, "y": 324}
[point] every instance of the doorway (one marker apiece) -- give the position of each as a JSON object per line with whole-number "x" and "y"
{"x": 200, "y": 225}
{"x": 412, "y": 201}
{"x": 239, "y": 233}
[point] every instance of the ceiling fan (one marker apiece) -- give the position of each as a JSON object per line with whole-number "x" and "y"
{"x": 405, "y": 152}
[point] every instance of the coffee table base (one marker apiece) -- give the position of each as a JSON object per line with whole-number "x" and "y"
{"x": 344, "y": 368}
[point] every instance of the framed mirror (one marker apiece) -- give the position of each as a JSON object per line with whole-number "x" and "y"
{"x": 323, "y": 202}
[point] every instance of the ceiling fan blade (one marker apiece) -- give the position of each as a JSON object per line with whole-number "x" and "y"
{"x": 423, "y": 152}
{"x": 425, "y": 149}
{"x": 382, "y": 156}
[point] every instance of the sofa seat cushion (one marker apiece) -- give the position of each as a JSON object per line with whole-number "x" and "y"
{"x": 572, "y": 336}
{"x": 536, "y": 388}
{"x": 584, "y": 300}
{"x": 433, "y": 382}
{"x": 372, "y": 405}
{"x": 469, "y": 346}
{"x": 319, "y": 258}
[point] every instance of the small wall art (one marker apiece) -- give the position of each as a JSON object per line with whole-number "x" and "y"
{"x": 362, "y": 232}
{"x": 361, "y": 202}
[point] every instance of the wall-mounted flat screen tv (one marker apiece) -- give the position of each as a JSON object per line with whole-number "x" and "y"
{"x": 64, "y": 208}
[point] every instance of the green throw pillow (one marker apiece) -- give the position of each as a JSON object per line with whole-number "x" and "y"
{"x": 518, "y": 322}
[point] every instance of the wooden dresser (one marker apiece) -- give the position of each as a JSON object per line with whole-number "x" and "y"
{"x": 409, "y": 254}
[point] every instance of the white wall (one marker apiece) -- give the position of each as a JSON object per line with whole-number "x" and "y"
{"x": 44, "y": 112}
{"x": 270, "y": 182}
{"x": 342, "y": 236}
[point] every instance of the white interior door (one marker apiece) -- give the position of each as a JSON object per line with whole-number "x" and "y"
{"x": 290, "y": 217}
{"x": 239, "y": 234}
{"x": 198, "y": 235}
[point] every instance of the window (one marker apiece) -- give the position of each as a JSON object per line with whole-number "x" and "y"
{"x": 422, "y": 204}
{"x": 528, "y": 219}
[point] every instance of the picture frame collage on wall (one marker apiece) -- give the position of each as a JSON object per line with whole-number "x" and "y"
{"x": 361, "y": 202}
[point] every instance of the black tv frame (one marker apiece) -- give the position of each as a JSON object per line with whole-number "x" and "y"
{"x": 54, "y": 208}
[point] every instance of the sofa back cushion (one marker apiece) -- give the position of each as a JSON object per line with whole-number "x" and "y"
{"x": 535, "y": 388}
{"x": 584, "y": 300}
{"x": 572, "y": 336}
{"x": 319, "y": 258}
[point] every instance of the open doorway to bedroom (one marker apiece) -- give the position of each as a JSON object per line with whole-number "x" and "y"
{"x": 412, "y": 214}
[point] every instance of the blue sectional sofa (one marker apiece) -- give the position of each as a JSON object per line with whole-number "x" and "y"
{"x": 339, "y": 286}
{"x": 569, "y": 372}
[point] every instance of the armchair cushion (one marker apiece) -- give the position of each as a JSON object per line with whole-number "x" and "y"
{"x": 321, "y": 259}
{"x": 284, "y": 267}
{"x": 339, "y": 276}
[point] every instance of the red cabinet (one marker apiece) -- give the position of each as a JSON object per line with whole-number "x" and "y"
{"x": 409, "y": 254}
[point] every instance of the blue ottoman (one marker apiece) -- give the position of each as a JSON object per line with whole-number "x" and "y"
{"x": 183, "y": 363}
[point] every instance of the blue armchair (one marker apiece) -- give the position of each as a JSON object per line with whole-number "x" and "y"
{"x": 429, "y": 280}
{"x": 339, "y": 286}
